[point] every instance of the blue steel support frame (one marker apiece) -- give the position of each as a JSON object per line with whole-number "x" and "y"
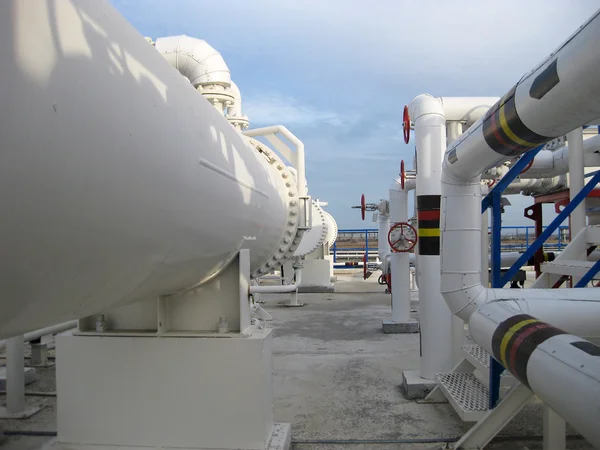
{"x": 581, "y": 195}
{"x": 494, "y": 200}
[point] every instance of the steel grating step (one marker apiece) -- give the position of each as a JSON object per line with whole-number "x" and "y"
{"x": 480, "y": 359}
{"x": 467, "y": 395}
{"x": 567, "y": 267}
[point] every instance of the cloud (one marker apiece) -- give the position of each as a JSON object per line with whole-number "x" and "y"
{"x": 275, "y": 109}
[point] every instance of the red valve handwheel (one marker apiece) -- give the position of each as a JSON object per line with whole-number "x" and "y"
{"x": 527, "y": 167}
{"x": 491, "y": 183}
{"x": 402, "y": 174}
{"x": 363, "y": 206}
{"x": 365, "y": 266}
{"x": 406, "y": 125}
{"x": 402, "y": 237}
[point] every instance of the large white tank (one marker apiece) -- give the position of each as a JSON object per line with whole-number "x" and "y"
{"x": 117, "y": 180}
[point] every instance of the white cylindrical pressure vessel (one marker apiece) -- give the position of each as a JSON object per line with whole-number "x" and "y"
{"x": 118, "y": 181}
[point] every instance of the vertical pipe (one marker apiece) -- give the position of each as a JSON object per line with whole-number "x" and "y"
{"x": 576, "y": 183}
{"x": 400, "y": 261}
{"x": 383, "y": 247}
{"x": 457, "y": 326}
{"x": 434, "y": 314}
{"x": 15, "y": 374}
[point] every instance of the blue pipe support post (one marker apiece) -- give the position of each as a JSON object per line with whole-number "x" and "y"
{"x": 581, "y": 195}
{"x": 494, "y": 200}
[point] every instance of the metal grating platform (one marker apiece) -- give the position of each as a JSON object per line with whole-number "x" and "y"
{"x": 467, "y": 395}
{"x": 480, "y": 359}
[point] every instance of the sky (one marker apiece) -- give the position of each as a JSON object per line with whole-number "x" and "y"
{"x": 337, "y": 73}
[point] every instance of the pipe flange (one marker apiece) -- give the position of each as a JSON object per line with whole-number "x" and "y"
{"x": 317, "y": 235}
{"x": 332, "y": 229}
{"x": 291, "y": 236}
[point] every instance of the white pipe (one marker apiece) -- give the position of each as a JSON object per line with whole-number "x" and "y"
{"x": 281, "y": 289}
{"x": 531, "y": 186}
{"x": 563, "y": 106}
{"x": 131, "y": 187}
{"x": 399, "y": 261}
{"x": 576, "y": 183}
{"x": 54, "y": 329}
{"x": 562, "y": 369}
{"x": 15, "y": 374}
{"x": 434, "y": 316}
{"x": 466, "y": 110}
{"x": 383, "y": 246}
{"x": 527, "y": 115}
{"x": 299, "y": 163}
{"x": 201, "y": 64}
{"x": 549, "y": 163}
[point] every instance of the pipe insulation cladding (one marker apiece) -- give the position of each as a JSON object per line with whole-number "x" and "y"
{"x": 118, "y": 181}
{"x": 562, "y": 369}
{"x": 560, "y": 95}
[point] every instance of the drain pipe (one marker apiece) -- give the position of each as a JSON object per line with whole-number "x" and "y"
{"x": 285, "y": 288}
{"x": 550, "y": 101}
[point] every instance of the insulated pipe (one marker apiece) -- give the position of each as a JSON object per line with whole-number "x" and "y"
{"x": 549, "y": 163}
{"x": 129, "y": 189}
{"x": 434, "y": 316}
{"x": 383, "y": 246}
{"x": 564, "y": 85}
{"x": 535, "y": 185}
{"x": 400, "y": 261}
{"x": 561, "y": 369}
{"x": 551, "y": 101}
{"x": 466, "y": 110}
{"x": 201, "y": 64}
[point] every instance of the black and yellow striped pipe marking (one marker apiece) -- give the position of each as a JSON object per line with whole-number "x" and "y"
{"x": 504, "y": 131}
{"x": 516, "y": 338}
{"x": 428, "y": 215}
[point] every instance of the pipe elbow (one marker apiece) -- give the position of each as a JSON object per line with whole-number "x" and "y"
{"x": 234, "y": 114}
{"x": 195, "y": 59}
{"x": 425, "y": 104}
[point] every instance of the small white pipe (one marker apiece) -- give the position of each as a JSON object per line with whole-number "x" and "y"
{"x": 33, "y": 335}
{"x": 466, "y": 110}
{"x": 299, "y": 163}
{"x": 15, "y": 374}
{"x": 531, "y": 186}
{"x": 576, "y": 183}
{"x": 282, "y": 289}
{"x": 549, "y": 163}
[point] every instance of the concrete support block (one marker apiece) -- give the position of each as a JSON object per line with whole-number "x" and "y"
{"x": 415, "y": 387}
{"x": 391, "y": 327}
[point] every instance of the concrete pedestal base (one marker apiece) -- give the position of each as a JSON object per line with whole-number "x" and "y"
{"x": 147, "y": 392}
{"x": 29, "y": 377}
{"x": 390, "y": 327}
{"x": 25, "y": 414}
{"x": 281, "y": 439}
{"x": 415, "y": 387}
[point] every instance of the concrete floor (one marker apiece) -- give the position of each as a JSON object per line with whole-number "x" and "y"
{"x": 336, "y": 377}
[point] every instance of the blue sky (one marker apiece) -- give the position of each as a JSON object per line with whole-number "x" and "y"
{"x": 338, "y": 73}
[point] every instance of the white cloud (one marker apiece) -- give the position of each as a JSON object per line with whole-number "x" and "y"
{"x": 274, "y": 109}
